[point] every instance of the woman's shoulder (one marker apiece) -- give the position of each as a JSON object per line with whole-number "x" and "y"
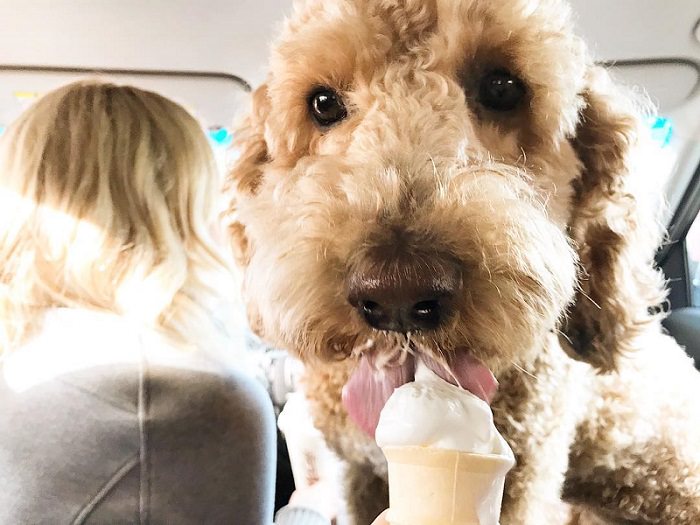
{"x": 69, "y": 340}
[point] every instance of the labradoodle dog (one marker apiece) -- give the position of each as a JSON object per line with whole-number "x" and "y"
{"x": 456, "y": 180}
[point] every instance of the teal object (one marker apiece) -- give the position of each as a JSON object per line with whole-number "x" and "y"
{"x": 661, "y": 130}
{"x": 221, "y": 136}
{"x": 2, "y": 130}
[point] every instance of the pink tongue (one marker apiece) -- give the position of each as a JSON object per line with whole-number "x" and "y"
{"x": 368, "y": 389}
{"x": 366, "y": 392}
{"x": 467, "y": 372}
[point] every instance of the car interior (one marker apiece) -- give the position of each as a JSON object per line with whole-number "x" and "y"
{"x": 209, "y": 56}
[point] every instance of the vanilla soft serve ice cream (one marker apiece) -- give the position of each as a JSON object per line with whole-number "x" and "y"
{"x": 430, "y": 412}
{"x": 447, "y": 462}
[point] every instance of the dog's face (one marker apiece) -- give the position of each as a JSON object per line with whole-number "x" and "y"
{"x": 410, "y": 177}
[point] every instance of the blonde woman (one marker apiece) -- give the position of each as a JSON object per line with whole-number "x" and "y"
{"x": 119, "y": 398}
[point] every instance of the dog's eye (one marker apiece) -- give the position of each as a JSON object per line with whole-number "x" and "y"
{"x": 326, "y": 107}
{"x": 501, "y": 91}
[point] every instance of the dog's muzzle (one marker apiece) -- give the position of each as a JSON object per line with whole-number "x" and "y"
{"x": 401, "y": 291}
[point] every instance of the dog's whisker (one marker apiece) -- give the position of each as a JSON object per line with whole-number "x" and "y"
{"x": 563, "y": 334}
{"x": 364, "y": 347}
{"x": 498, "y": 290}
{"x": 523, "y": 156}
{"x": 432, "y": 161}
{"x": 418, "y": 346}
{"x": 488, "y": 272}
{"x": 454, "y": 377}
{"x": 590, "y": 299}
{"x": 407, "y": 342}
{"x": 521, "y": 369}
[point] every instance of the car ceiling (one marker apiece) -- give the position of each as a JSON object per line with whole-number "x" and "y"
{"x": 655, "y": 44}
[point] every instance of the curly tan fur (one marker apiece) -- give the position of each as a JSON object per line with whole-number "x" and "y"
{"x": 547, "y": 210}
{"x": 617, "y": 237}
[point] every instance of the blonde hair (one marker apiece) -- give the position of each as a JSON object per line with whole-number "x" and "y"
{"x": 107, "y": 197}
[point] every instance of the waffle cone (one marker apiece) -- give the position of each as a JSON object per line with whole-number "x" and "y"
{"x": 430, "y": 486}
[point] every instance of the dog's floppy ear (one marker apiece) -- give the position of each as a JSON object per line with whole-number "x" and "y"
{"x": 243, "y": 180}
{"x": 246, "y": 173}
{"x": 249, "y": 143}
{"x": 614, "y": 228}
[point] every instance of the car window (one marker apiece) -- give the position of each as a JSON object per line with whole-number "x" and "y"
{"x": 693, "y": 253}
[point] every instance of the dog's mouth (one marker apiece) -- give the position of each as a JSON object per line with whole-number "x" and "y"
{"x": 370, "y": 386}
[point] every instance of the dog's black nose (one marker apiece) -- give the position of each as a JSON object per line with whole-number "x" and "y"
{"x": 400, "y": 316}
{"x": 403, "y": 293}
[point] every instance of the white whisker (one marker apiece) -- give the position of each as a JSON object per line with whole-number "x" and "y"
{"x": 568, "y": 339}
{"x": 590, "y": 299}
{"x": 361, "y": 349}
{"x": 523, "y": 370}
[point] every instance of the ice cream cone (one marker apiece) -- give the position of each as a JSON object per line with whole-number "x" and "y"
{"x": 432, "y": 486}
